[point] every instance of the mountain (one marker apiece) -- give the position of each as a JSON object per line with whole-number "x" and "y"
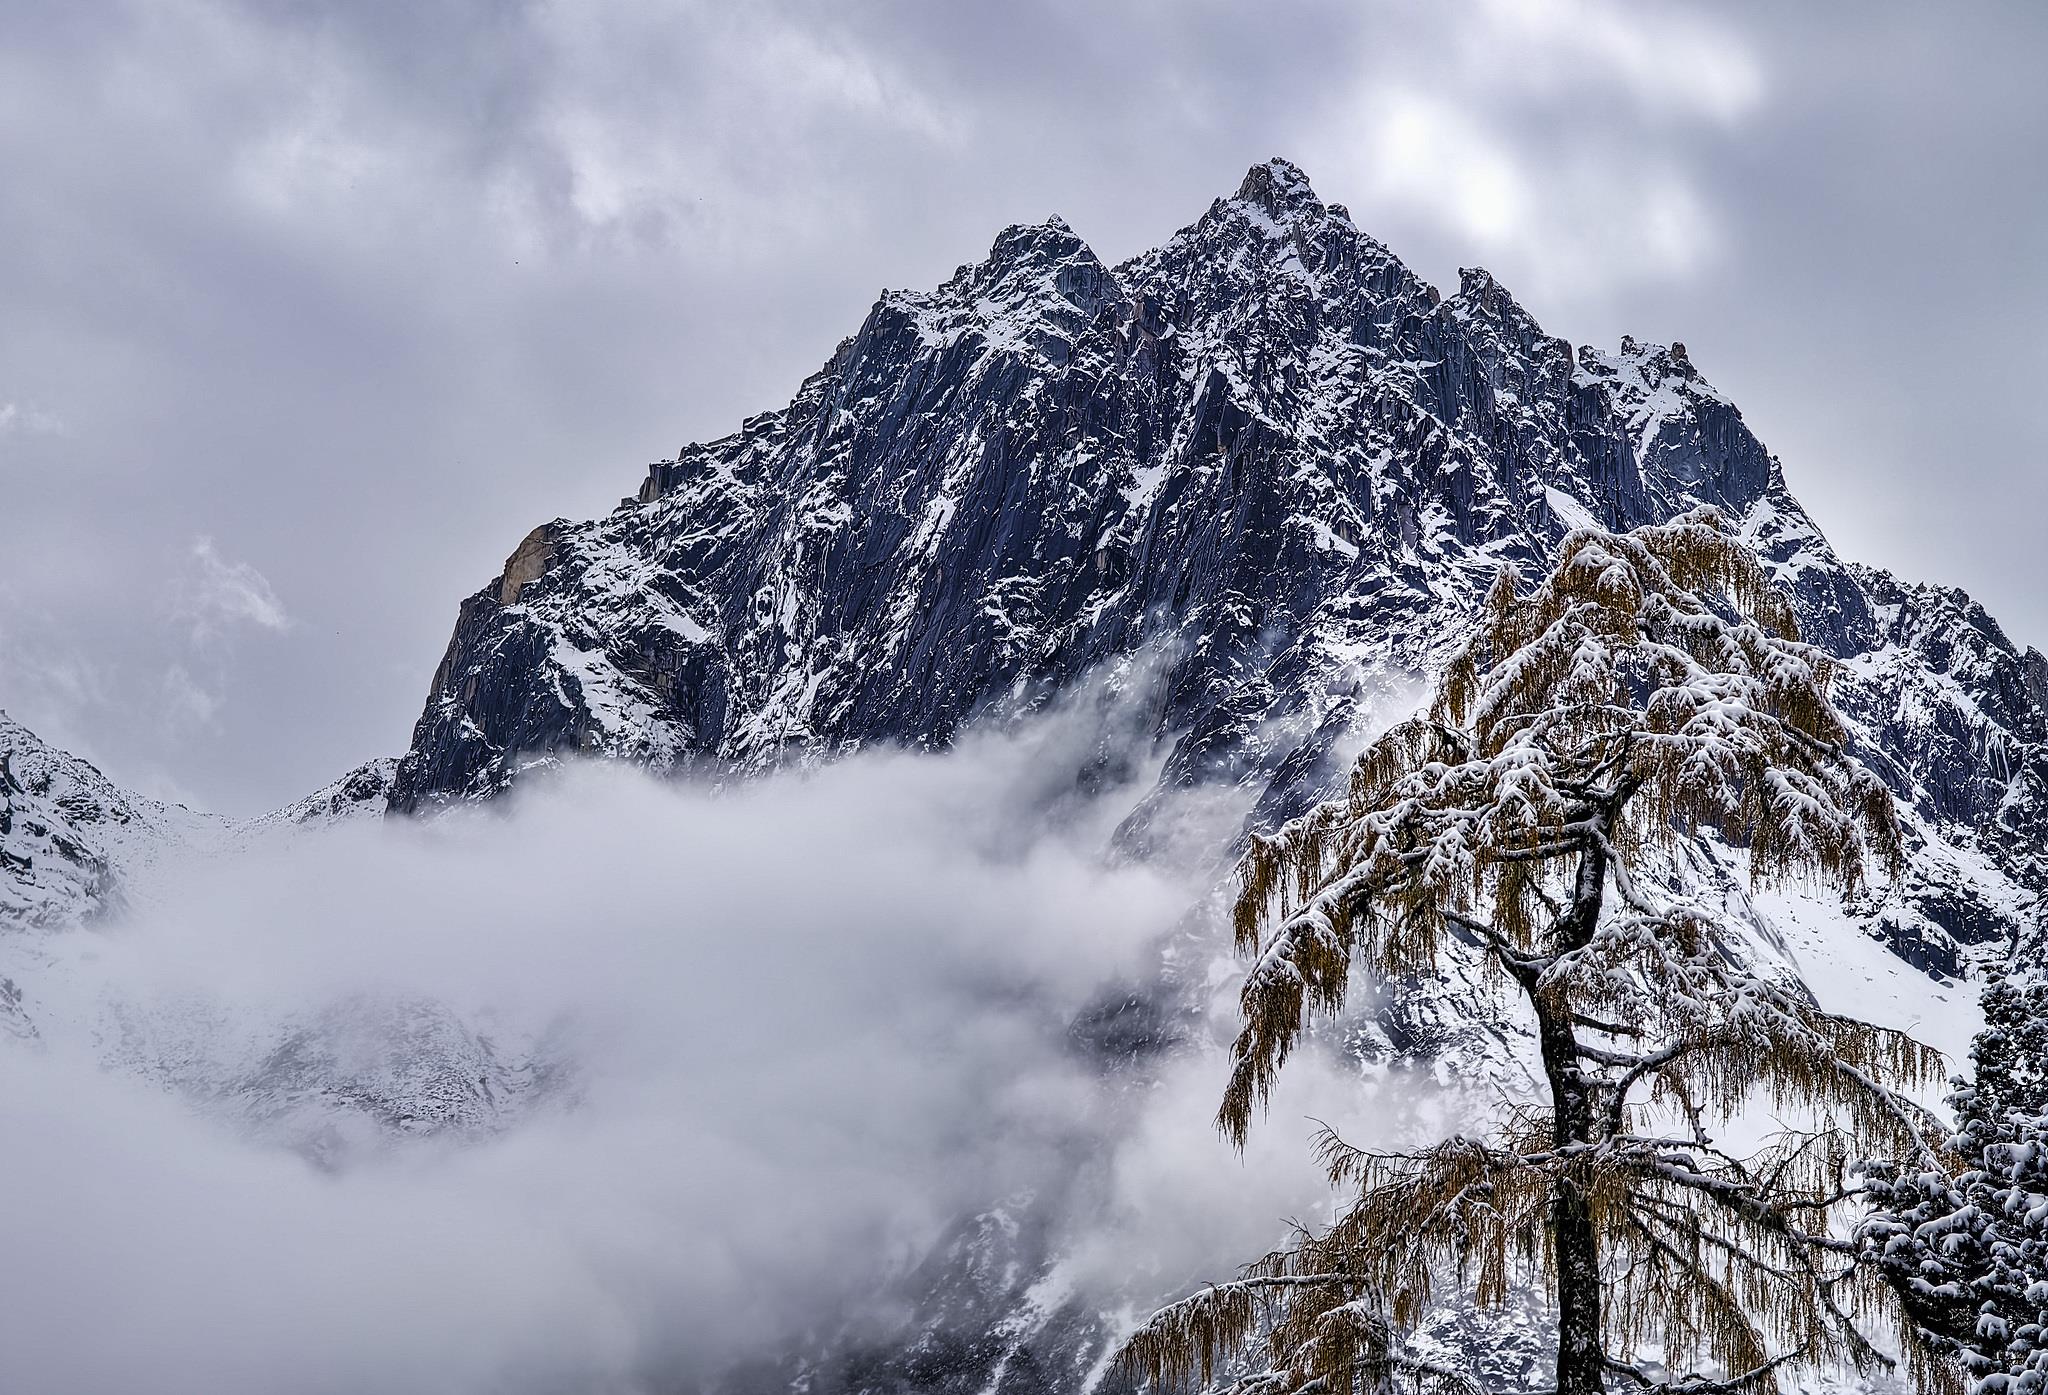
{"x": 1267, "y": 451}
{"x": 74, "y": 845}
{"x": 76, "y": 850}
{"x": 71, "y": 839}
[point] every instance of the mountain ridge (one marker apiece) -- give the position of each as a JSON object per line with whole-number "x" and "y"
{"x": 1265, "y": 446}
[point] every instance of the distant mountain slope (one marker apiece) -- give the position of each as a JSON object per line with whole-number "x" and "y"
{"x": 76, "y": 850}
{"x": 68, "y": 833}
{"x": 360, "y": 794}
{"x": 72, "y": 842}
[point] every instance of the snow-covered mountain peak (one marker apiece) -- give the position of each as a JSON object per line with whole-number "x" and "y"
{"x": 358, "y": 795}
{"x": 1265, "y": 448}
{"x": 1642, "y": 367}
{"x": 1035, "y": 256}
{"x": 1275, "y": 217}
{"x": 1037, "y": 289}
{"x": 1668, "y": 408}
{"x": 1279, "y": 187}
{"x": 1482, "y": 300}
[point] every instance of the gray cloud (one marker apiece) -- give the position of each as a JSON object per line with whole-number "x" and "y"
{"x": 24, "y": 417}
{"x": 219, "y": 594}
{"x": 365, "y": 291}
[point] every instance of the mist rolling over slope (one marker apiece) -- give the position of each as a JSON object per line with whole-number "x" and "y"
{"x": 623, "y": 1084}
{"x": 671, "y": 1079}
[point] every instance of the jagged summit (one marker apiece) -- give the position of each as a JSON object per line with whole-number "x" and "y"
{"x": 1031, "y": 262}
{"x": 1480, "y": 293}
{"x": 1280, "y": 188}
{"x": 1028, "y": 245}
{"x": 1277, "y": 203}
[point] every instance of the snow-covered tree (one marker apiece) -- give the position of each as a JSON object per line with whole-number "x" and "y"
{"x": 1967, "y": 1244}
{"x": 1651, "y": 685}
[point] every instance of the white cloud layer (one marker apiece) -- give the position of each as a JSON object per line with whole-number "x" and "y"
{"x": 1574, "y": 166}
{"x": 812, "y": 1021}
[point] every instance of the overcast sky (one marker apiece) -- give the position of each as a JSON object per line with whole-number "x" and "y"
{"x": 311, "y": 310}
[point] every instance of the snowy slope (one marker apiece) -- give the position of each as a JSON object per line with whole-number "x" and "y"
{"x": 360, "y": 794}
{"x": 70, "y": 839}
{"x": 74, "y": 846}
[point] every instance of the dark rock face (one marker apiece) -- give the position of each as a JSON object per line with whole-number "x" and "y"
{"x": 1265, "y": 448}
{"x": 1040, "y": 466}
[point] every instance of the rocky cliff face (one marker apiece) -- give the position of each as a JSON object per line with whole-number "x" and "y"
{"x": 1267, "y": 450}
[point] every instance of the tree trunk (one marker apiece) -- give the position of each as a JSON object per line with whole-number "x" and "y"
{"x": 1581, "y": 1357}
{"x": 1581, "y": 1360}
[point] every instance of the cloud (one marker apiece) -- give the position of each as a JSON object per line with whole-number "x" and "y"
{"x": 186, "y": 700}
{"x": 637, "y": 125}
{"x": 1557, "y": 134}
{"x": 801, "y": 1025}
{"x": 20, "y": 419}
{"x": 219, "y": 594}
{"x": 1676, "y": 60}
{"x": 1180, "y": 1210}
{"x": 212, "y": 601}
{"x": 37, "y": 666}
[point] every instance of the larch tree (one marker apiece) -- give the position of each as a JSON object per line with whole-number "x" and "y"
{"x": 1652, "y": 685}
